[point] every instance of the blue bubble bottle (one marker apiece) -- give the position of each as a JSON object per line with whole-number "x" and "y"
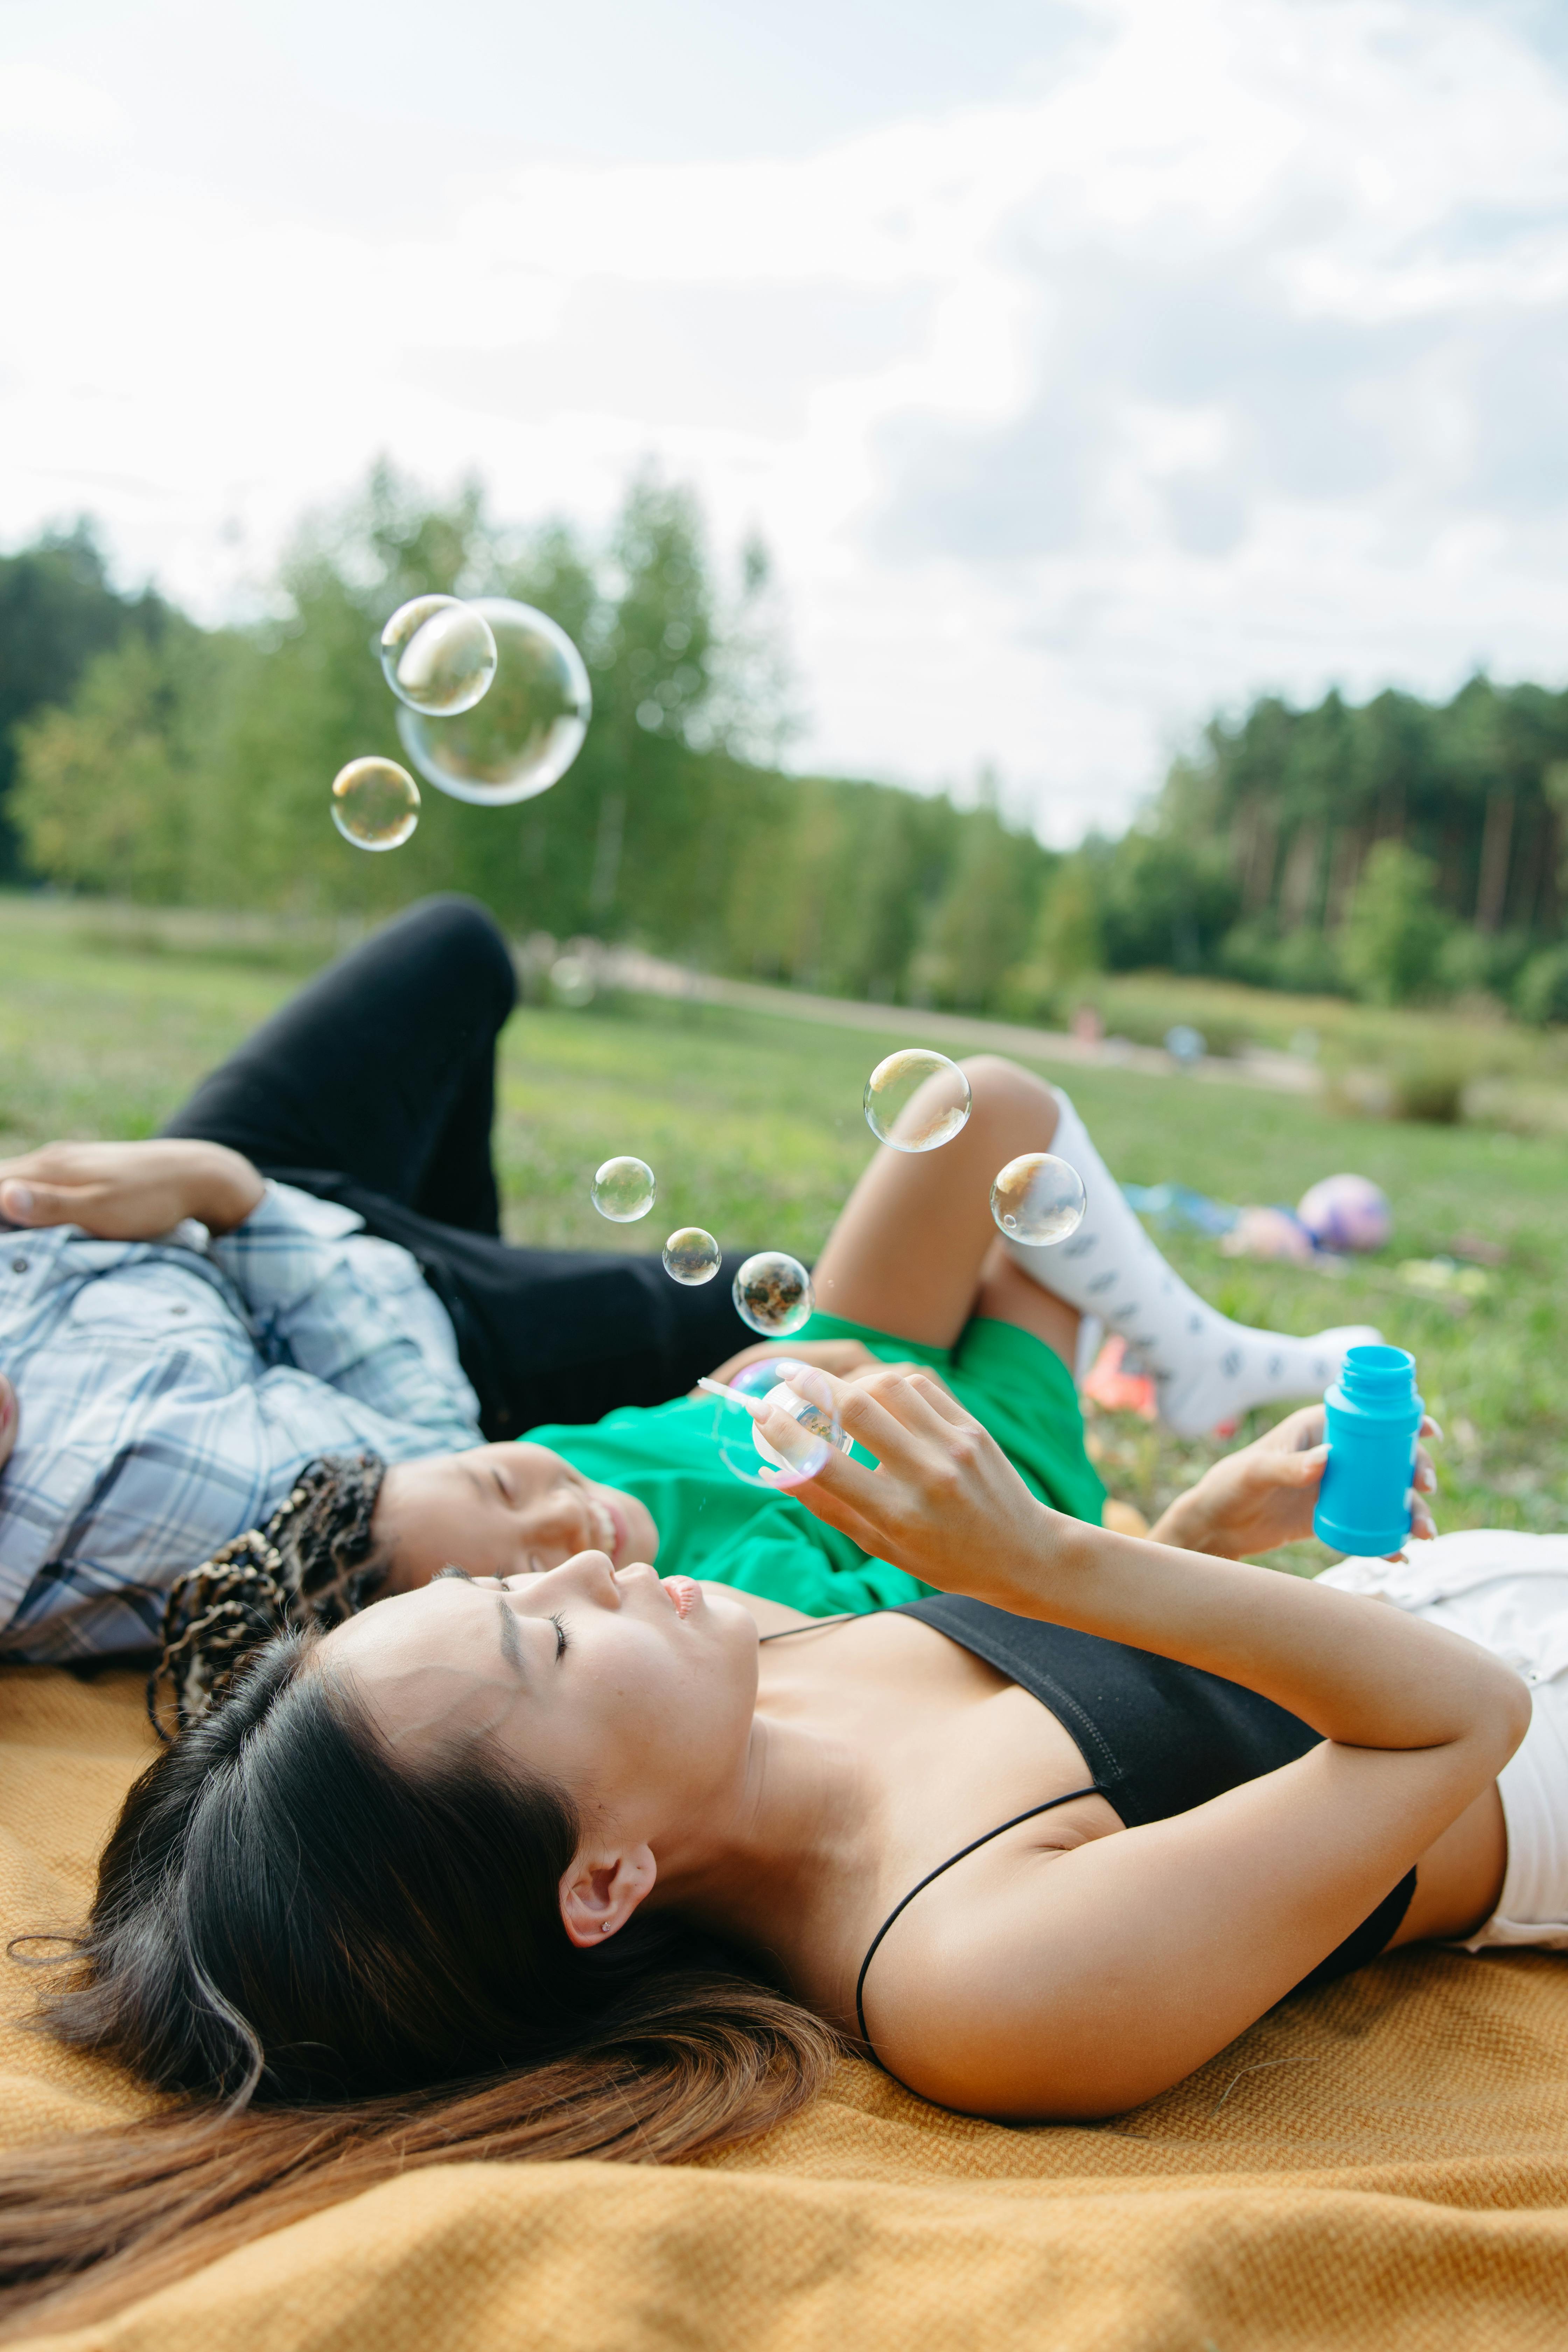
{"x": 1374, "y": 1419}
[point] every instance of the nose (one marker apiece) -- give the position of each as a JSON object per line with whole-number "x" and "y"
{"x": 588, "y": 1573}
{"x": 561, "y": 1523}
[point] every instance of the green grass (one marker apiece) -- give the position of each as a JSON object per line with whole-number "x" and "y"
{"x": 753, "y": 1123}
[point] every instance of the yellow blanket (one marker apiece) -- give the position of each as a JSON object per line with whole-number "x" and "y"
{"x": 1383, "y": 2164}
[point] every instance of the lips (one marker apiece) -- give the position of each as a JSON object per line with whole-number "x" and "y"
{"x": 608, "y": 1528}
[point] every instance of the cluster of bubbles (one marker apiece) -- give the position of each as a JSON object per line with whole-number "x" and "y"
{"x": 493, "y": 702}
{"x": 915, "y": 1100}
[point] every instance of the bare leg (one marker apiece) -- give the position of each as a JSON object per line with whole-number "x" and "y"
{"x": 915, "y": 1252}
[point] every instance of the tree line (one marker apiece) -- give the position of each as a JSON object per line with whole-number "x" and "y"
{"x": 1395, "y": 850}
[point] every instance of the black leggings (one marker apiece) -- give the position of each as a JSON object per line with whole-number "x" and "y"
{"x": 376, "y": 1086}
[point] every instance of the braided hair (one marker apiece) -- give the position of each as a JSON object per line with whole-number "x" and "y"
{"x": 314, "y": 1563}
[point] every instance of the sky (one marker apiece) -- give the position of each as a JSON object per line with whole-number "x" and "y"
{"x": 1087, "y": 365}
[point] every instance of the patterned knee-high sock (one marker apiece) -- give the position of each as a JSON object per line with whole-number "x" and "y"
{"x": 1206, "y": 1368}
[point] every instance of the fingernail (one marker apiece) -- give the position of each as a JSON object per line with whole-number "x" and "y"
{"x": 1426, "y": 1480}
{"x": 17, "y": 1199}
{"x": 1434, "y": 1427}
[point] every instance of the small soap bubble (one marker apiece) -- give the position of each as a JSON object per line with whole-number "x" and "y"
{"x": 374, "y": 803}
{"x": 691, "y": 1256}
{"x": 623, "y": 1190}
{"x": 784, "y": 1457}
{"x": 916, "y": 1100}
{"x": 1038, "y": 1198}
{"x": 438, "y": 655}
{"x": 773, "y": 1294}
{"x": 527, "y": 730}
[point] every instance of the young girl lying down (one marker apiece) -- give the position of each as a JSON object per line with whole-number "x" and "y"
{"x": 552, "y": 1850}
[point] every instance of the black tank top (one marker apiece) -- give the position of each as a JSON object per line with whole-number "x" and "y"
{"x": 1158, "y": 1736}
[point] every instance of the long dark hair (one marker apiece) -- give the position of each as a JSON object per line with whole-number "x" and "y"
{"x": 348, "y": 1969}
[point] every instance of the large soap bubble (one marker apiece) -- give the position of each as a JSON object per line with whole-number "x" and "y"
{"x": 916, "y": 1100}
{"x": 527, "y": 730}
{"x": 786, "y": 1457}
{"x": 773, "y": 1294}
{"x": 438, "y": 655}
{"x": 1037, "y": 1198}
{"x": 374, "y": 803}
{"x": 623, "y": 1190}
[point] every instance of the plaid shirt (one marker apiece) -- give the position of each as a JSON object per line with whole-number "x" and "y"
{"x": 172, "y": 1391}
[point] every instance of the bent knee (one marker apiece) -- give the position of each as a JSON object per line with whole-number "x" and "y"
{"x": 470, "y": 941}
{"x": 994, "y": 1083}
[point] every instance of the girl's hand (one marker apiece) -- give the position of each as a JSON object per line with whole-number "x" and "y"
{"x": 944, "y": 1501}
{"x": 1264, "y": 1494}
{"x": 129, "y": 1192}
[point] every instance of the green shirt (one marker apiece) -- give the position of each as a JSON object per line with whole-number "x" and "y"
{"x": 712, "y": 1524}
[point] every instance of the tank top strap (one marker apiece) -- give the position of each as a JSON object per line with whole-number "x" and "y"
{"x": 973, "y": 1847}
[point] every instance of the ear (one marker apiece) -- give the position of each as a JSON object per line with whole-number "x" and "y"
{"x": 600, "y": 1892}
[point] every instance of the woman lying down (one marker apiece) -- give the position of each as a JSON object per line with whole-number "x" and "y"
{"x": 548, "y": 1855}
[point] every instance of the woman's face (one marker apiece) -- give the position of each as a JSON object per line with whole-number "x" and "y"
{"x": 502, "y": 1510}
{"x": 637, "y": 1695}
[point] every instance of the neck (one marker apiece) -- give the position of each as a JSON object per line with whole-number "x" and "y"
{"x": 804, "y": 1817}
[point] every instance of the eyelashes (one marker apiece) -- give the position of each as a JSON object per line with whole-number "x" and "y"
{"x": 562, "y": 1643}
{"x": 451, "y": 1568}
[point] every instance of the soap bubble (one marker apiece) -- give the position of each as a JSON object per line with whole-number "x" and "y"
{"x": 773, "y": 1294}
{"x": 1037, "y": 1198}
{"x": 527, "y": 730}
{"x": 374, "y": 803}
{"x": 1185, "y": 1045}
{"x": 438, "y": 655}
{"x": 691, "y": 1256}
{"x": 892, "y": 1087}
{"x": 623, "y": 1190}
{"x": 782, "y": 1458}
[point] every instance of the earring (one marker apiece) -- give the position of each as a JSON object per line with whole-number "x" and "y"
{"x": 604, "y": 1927}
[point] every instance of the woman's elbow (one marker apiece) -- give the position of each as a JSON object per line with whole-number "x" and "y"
{"x": 1503, "y": 1706}
{"x": 1520, "y": 1705}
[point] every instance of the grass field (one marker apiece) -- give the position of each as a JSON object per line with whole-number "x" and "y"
{"x": 753, "y": 1122}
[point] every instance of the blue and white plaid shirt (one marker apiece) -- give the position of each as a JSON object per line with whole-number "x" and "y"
{"x": 172, "y": 1391}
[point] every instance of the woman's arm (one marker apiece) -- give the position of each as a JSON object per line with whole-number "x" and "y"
{"x": 946, "y": 1504}
{"x": 1080, "y": 1982}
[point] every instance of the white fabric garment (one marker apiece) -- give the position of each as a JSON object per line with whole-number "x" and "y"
{"x": 1509, "y": 1593}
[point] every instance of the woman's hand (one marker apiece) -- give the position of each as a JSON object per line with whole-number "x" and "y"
{"x": 944, "y": 1501}
{"x": 1264, "y": 1494}
{"x": 129, "y": 1192}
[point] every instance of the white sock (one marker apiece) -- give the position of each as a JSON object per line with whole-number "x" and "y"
{"x": 1205, "y": 1367}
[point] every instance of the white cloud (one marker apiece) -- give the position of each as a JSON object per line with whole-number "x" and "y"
{"x": 1230, "y": 355}
{"x": 40, "y": 104}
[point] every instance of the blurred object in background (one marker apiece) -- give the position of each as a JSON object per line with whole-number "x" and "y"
{"x": 1346, "y": 1213}
{"x": 1269, "y": 1234}
{"x": 1116, "y": 1390}
{"x": 1185, "y": 1045}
